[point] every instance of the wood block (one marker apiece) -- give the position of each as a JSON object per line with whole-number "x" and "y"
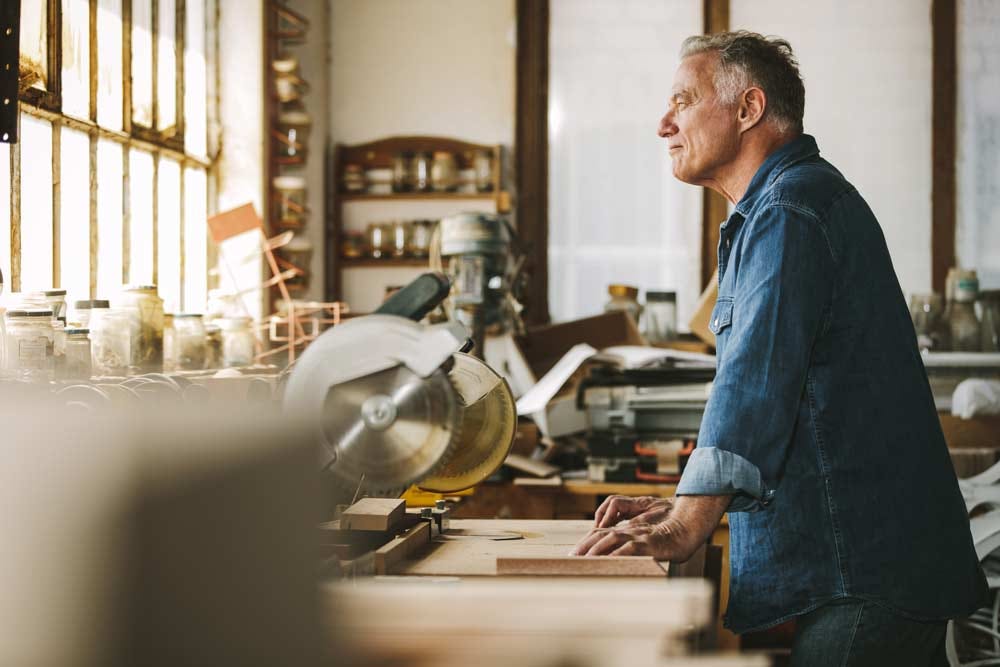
{"x": 383, "y": 514}
{"x": 582, "y": 566}
{"x": 398, "y": 550}
{"x": 531, "y": 466}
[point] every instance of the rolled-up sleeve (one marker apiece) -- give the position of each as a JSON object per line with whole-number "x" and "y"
{"x": 774, "y": 315}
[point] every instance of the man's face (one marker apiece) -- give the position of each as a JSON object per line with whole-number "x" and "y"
{"x": 702, "y": 133}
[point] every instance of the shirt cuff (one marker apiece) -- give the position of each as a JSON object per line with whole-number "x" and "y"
{"x": 711, "y": 471}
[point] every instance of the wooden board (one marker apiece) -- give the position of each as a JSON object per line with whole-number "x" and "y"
{"x": 388, "y": 558}
{"x": 475, "y": 554}
{"x": 382, "y": 514}
{"x": 593, "y": 566}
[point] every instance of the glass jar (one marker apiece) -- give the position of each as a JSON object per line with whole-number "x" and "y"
{"x": 400, "y": 235}
{"x": 352, "y": 244}
{"x": 56, "y": 300}
{"x": 30, "y": 340}
{"x": 660, "y": 316}
{"x": 401, "y": 171}
{"x": 213, "y": 346}
{"x": 78, "y": 364}
{"x": 111, "y": 334}
{"x": 84, "y": 309}
{"x": 926, "y": 311}
{"x": 353, "y": 179}
{"x": 989, "y": 301}
{"x": 444, "y": 172}
{"x": 292, "y": 137}
{"x": 624, "y": 298}
{"x": 298, "y": 252}
{"x": 483, "y": 166}
{"x": 237, "y": 341}
{"x": 290, "y": 210}
{"x": 379, "y": 239}
{"x": 169, "y": 347}
{"x": 419, "y": 242}
{"x": 963, "y": 322}
{"x": 58, "y": 347}
{"x": 147, "y": 311}
{"x": 420, "y": 172}
{"x": 189, "y": 341}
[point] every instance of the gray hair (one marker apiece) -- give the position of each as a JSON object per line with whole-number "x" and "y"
{"x": 748, "y": 59}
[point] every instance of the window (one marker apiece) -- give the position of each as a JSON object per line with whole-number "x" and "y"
{"x": 110, "y": 181}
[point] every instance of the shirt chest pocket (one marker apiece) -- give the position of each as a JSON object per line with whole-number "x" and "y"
{"x": 722, "y": 316}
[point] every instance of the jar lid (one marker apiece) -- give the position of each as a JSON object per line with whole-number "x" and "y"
{"x": 661, "y": 296}
{"x": 140, "y": 288}
{"x": 289, "y": 182}
{"x": 295, "y": 118}
{"x": 178, "y": 316}
{"x": 623, "y": 290}
{"x": 87, "y": 304}
{"x": 54, "y": 292}
{"x": 77, "y": 332}
{"x": 30, "y": 312}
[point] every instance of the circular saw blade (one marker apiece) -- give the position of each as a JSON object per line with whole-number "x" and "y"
{"x": 390, "y": 429}
{"x": 489, "y": 421}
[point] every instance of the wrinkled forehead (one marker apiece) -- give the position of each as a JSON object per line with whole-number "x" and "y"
{"x": 695, "y": 74}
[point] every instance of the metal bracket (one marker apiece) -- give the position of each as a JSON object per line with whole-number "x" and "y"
{"x": 10, "y": 41}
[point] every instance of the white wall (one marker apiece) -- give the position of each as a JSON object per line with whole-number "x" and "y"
{"x": 417, "y": 67}
{"x": 978, "y": 173}
{"x": 867, "y": 71}
{"x": 441, "y": 67}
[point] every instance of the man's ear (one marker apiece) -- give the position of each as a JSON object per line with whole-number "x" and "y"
{"x": 753, "y": 102}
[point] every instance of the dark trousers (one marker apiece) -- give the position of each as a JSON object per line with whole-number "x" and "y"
{"x": 857, "y": 633}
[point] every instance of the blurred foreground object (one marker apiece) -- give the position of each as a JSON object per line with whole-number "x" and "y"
{"x": 156, "y": 537}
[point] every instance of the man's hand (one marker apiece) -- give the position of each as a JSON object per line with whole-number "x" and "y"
{"x": 645, "y": 509}
{"x": 686, "y": 527}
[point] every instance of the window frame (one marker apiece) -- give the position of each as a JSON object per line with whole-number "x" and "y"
{"x": 167, "y": 143}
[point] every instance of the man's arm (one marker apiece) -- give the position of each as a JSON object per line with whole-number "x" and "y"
{"x": 676, "y": 538}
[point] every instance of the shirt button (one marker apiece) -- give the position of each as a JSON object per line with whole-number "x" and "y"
{"x": 716, "y": 321}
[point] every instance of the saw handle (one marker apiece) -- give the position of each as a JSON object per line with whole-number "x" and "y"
{"x": 418, "y": 298}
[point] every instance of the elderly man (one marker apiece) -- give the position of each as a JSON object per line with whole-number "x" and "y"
{"x": 820, "y": 438}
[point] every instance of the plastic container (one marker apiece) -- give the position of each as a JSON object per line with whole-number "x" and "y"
{"x": 78, "y": 364}
{"x": 237, "y": 341}
{"x": 147, "y": 311}
{"x": 660, "y": 315}
{"x": 29, "y": 343}
{"x": 189, "y": 341}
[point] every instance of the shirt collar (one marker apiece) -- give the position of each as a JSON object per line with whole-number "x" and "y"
{"x": 798, "y": 149}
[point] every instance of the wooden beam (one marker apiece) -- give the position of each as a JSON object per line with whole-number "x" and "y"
{"x": 714, "y": 206}
{"x": 591, "y": 566}
{"x": 531, "y": 151}
{"x": 943, "y": 140}
{"x": 382, "y": 514}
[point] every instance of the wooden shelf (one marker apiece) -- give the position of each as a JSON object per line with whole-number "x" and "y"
{"x": 388, "y": 262}
{"x": 400, "y": 196}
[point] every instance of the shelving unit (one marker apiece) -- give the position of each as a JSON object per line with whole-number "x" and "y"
{"x": 352, "y": 211}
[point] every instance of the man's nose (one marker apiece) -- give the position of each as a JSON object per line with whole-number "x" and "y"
{"x": 667, "y": 127}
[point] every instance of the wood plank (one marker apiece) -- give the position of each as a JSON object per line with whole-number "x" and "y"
{"x": 944, "y": 139}
{"x": 389, "y": 557}
{"x": 382, "y": 514}
{"x": 577, "y": 566}
{"x": 714, "y": 206}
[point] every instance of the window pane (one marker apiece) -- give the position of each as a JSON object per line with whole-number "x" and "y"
{"x": 76, "y": 57}
{"x": 5, "y": 217}
{"x": 195, "y": 79}
{"x": 74, "y": 214}
{"x": 195, "y": 241}
{"x": 109, "y": 218}
{"x": 168, "y": 235}
{"x": 142, "y": 62}
{"x": 166, "y": 65}
{"x": 109, "y": 60}
{"x": 140, "y": 181}
{"x": 34, "y": 47}
{"x": 36, "y": 203}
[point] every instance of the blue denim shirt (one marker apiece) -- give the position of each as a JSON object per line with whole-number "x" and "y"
{"x": 821, "y": 421}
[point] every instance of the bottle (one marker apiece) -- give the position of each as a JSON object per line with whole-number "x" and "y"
{"x": 963, "y": 323}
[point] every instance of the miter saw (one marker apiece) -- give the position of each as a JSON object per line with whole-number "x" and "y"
{"x": 399, "y": 403}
